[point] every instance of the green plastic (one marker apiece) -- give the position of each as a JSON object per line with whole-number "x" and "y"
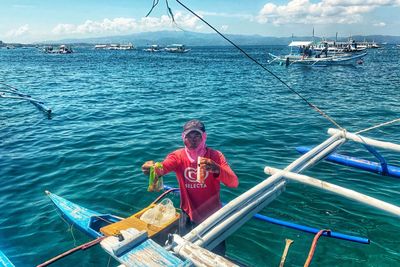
{"x": 155, "y": 182}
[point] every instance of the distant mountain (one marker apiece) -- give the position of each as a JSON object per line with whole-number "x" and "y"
{"x": 207, "y": 39}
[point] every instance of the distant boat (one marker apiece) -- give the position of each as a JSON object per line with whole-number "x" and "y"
{"x": 153, "y": 48}
{"x": 63, "y": 49}
{"x": 306, "y": 56}
{"x": 176, "y": 48}
{"x": 338, "y": 47}
{"x": 129, "y": 46}
{"x": 101, "y": 46}
{"x": 121, "y": 47}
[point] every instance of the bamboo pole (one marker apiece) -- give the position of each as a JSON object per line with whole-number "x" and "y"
{"x": 351, "y": 194}
{"x": 285, "y": 251}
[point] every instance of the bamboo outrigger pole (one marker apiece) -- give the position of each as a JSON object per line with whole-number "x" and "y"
{"x": 365, "y": 140}
{"x": 379, "y": 204}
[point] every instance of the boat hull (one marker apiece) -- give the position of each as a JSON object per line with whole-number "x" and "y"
{"x": 84, "y": 219}
{"x": 314, "y": 61}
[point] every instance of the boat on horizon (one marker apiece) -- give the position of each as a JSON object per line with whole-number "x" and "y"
{"x": 176, "y": 48}
{"x": 303, "y": 53}
{"x": 121, "y": 47}
{"x": 62, "y": 49}
{"x": 128, "y": 46}
{"x": 153, "y": 48}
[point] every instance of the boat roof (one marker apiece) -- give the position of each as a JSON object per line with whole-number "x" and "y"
{"x": 300, "y": 43}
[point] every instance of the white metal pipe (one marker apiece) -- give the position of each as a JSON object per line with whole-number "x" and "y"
{"x": 219, "y": 216}
{"x": 323, "y": 154}
{"x": 379, "y": 204}
{"x": 221, "y": 231}
{"x": 364, "y": 140}
{"x": 300, "y": 162}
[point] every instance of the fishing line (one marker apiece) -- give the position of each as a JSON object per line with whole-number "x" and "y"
{"x": 378, "y": 125}
{"x": 70, "y": 226}
{"x": 325, "y": 115}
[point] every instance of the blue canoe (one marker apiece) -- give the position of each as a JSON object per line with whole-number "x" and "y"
{"x": 362, "y": 164}
{"x": 4, "y": 261}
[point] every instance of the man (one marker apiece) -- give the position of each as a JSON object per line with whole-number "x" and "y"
{"x": 198, "y": 200}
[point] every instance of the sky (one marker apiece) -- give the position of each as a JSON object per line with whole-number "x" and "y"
{"x": 27, "y": 21}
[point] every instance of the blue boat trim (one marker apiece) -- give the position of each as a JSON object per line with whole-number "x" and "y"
{"x": 362, "y": 164}
{"x": 85, "y": 220}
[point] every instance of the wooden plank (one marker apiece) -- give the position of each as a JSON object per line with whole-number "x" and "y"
{"x": 149, "y": 253}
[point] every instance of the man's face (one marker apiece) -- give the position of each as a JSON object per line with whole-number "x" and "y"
{"x": 193, "y": 139}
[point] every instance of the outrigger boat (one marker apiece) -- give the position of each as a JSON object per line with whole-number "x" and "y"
{"x": 176, "y": 48}
{"x": 306, "y": 56}
{"x": 153, "y": 48}
{"x": 4, "y": 261}
{"x": 63, "y": 49}
{"x": 195, "y": 245}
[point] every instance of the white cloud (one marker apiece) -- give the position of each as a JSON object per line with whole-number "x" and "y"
{"x": 324, "y": 12}
{"x": 380, "y": 24}
{"x": 23, "y": 30}
{"x": 127, "y": 25}
{"x": 224, "y": 27}
{"x": 226, "y": 15}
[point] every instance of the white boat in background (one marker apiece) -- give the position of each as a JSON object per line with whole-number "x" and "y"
{"x": 129, "y": 46}
{"x": 100, "y": 46}
{"x": 121, "y": 47}
{"x": 176, "y": 48}
{"x": 338, "y": 47}
{"x": 63, "y": 49}
{"x": 153, "y": 48}
{"x": 306, "y": 55}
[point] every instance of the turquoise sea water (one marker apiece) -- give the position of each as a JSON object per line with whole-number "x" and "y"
{"x": 113, "y": 110}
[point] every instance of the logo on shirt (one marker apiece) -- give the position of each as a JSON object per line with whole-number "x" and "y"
{"x": 191, "y": 174}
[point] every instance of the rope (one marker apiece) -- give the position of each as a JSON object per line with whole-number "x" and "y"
{"x": 314, "y": 245}
{"x": 378, "y": 125}
{"x": 264, "y": 68}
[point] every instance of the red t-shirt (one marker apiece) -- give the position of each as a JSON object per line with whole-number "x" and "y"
{"x": 198, "y": 200}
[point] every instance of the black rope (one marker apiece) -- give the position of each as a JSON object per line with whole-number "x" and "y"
{"x": 155, "y": 3}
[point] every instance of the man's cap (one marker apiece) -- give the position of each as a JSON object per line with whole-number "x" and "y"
{"x": 193, "y": 125}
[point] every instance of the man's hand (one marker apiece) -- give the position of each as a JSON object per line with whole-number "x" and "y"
{"x": 209, "y": 165}
{"x": 146, "y": 167}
